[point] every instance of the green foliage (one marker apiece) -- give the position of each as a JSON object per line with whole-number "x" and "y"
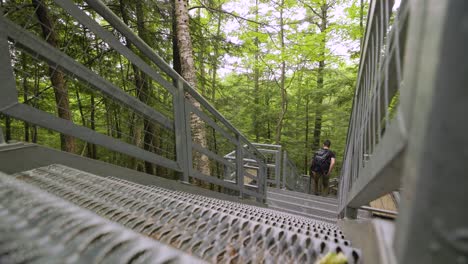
{"x": 238, "y": 53}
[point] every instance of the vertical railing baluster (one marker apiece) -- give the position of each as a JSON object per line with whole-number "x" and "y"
{"x": 182, "y": 132}
{"x": 285, "y": 172}
{"x": 9, "y": 94}
{"x": 262, "y": 181}
{"x": 240, "y": 166}
{"x": 278, "y": 168}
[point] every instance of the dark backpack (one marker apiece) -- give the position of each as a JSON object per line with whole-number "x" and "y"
{"x": 321, "y": 160}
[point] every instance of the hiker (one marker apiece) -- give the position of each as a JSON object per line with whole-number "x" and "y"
{"x": 321, "y": 166}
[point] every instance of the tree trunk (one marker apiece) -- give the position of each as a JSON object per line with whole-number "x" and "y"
{"x": 361, "y": 20}
{"x": 201, "y": 58}
{"x": 306, "y": 142}
{"x": 175, "y": 48}
{"x": 92, "y": 147}
{"x": 83, "y": 118}
{"x": 25, "y": 95}
{"x": 7, "y": 128}
{"x": 143, "y": 89}
{"x": 320, "y": 77}
{"x": 34, "y": 102}
{"x": 318, "y": 109}
{"x": 255, "y": 119}
{"x": 267, "y": 104}
{"x": 184, "y": 42}
{"x": 279, "y": 125}
{"x": 135, "y": 125}
{"x": 56, "y": 76}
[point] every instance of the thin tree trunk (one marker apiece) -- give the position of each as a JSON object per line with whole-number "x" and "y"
{"x": 150, "y": 130}
{"x": 318, "y": 109}
{"x": 83, "y": 120}
{"x": 184, "y": 42}
{"x": 25, "y": 95}
{"x": 279, "y": 125}
{"x": 201, "y": 58}
{"x": 255, "y": 119}
{"x": 93, "y": 126}
{"x": 361, "y": 20}
{"x": 175, "y": 48}
{"x": 7, "y": 128}
{"x": 267, "y": 103}
{"x": 34, "y": 102}
{"x": 56, "y": 76}
{"x": 306, "y": 142}
{"x": 320, "y": 77}
{"x": 135, "y": 126}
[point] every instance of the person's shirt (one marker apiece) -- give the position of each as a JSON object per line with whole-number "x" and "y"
{"x": 332, "y": 154}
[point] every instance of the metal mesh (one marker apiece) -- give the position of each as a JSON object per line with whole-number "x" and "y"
{"x": 36, "y": 227}
{"x": 212, "y": 229}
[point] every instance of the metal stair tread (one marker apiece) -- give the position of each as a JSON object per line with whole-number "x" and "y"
{"x": 315, "y": 217}
{"x": 295, "y": 207}
{"x": 133, "y": 204}
{"x": 301, "y": 199}
{"x": 303, "y": 195}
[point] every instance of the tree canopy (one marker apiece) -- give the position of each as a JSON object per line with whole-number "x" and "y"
{"x": 281, "y": 71}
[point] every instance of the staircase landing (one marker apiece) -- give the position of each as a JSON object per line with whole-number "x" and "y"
{"x": 312, "y": 206}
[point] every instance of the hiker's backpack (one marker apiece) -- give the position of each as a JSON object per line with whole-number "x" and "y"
{"x": 322, "y": 159}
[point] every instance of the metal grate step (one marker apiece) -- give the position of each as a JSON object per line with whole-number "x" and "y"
{"x": 213, "y": 229}
{"x": 38, "y": 227}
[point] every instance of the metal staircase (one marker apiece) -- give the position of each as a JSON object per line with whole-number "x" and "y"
{"x": 410, "y": 101}
{"x": 211, "y": 229}
{"x": 312, "y": 206}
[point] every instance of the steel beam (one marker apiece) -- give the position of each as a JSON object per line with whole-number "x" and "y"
{"x": 2, "y": 138}
{"x": 34, "y": 116}
{"x": 58, "y": 59}
{"x": 9, "y": 94}
{"x": 382, "y": 173}
{"x": 114, "y": 42}
{"x": 278, "y": 168}
{"x": 285, "y": 174}
{"x": 220, "y": 117}
{"x": 118, "y": 24}
{"x": 211, "y": 122}
{"x": 240, "y": 166}
{"x": 211, "y": 154}
{"x": 433, "y": 222}
{"x": 181, "y": 132}
{"x": 210, "y": 179}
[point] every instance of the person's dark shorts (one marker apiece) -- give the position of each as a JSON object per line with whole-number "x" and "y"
{"x": 321, "y": 174}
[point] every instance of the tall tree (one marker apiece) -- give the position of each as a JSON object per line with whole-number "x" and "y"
{"x": 255, "y": 117}
{"x": 143, "y": 89}
{"x": 323, "y": 19}
{"x": 56, "y": 76}
{"x": 284, "y": 102}
{"x": 188, "y": 72}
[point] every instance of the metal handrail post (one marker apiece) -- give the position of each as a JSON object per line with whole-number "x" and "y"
{"x": 181, "y": 131}
{"x": 2, "y": 138}
{"x": 240, "y": 166}
{"x": 278, "y": 168}
{"x": 262, "y": 181}
{"x": 285, "y": 172}
{"x": 9, "y": 94}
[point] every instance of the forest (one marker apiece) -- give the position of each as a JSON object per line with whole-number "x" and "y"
{"x": 282, "y": 72}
